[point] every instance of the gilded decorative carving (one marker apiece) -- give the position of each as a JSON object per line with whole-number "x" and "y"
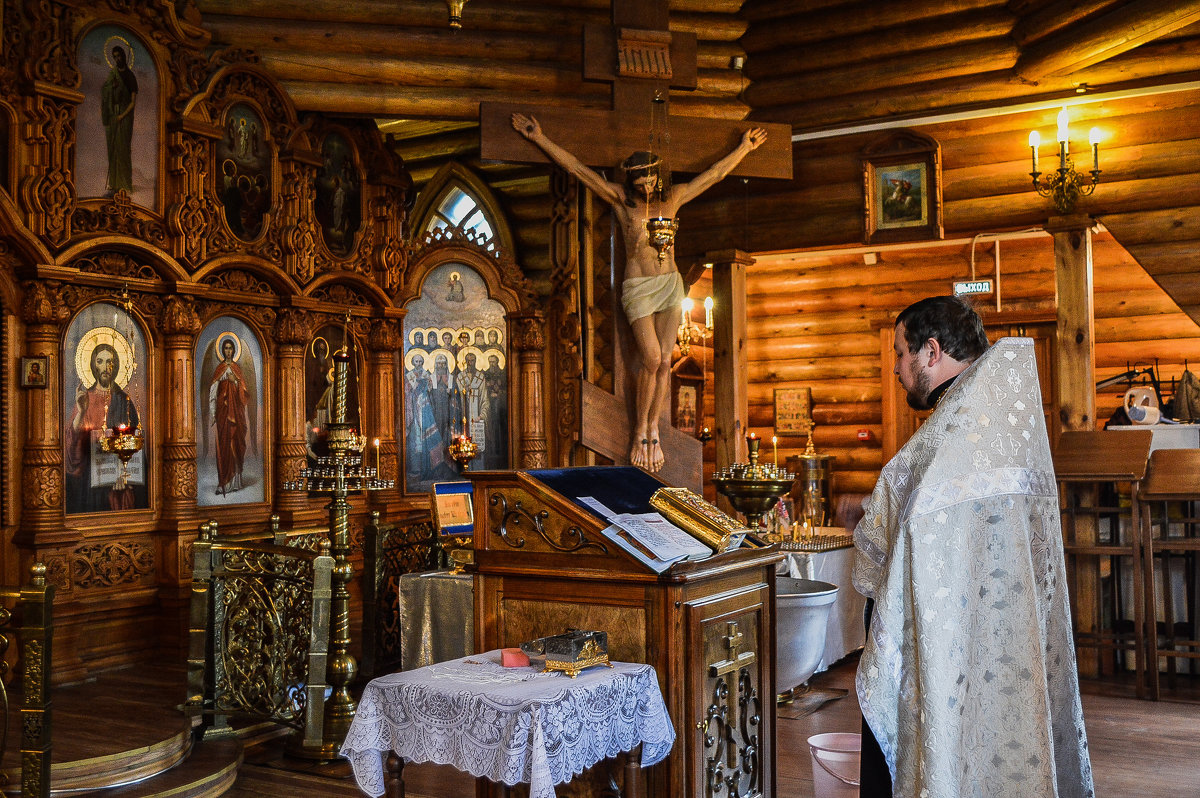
{"x": 179, "y": 317}
{"x": 46, "y": 56}
{"x": 291, "y": 327}
{"x": 384, "y": 336}
{"x": 58, "y": 573}
{"x": 34, "y": 678}
{"x": 41, "y": 486}
{"x": 190, "y": 216}
{"x": 119, "y": 215}
{"x": 116, "y": 264}
{"x": 341, "y": 295}
{"x": 533, "y": 453}
{"x": 111, "y": 563}
{"x": 48, "y": 191}
{"x": 300, "y": 232}
{"x": 181, "y": 478}
{"x": 564, "y": 302}
{"x": 240, "y": 281}
{"x": 42, "y": 303}
{"x": 528, "y": 335}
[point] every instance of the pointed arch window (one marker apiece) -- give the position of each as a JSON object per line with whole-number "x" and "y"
{"x": 458, "y": 209}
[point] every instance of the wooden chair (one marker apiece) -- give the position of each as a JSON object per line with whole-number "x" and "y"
{"x": 259, "y": 635}
{"x": 26, "y": 614}
{"x": 389, "y": 551}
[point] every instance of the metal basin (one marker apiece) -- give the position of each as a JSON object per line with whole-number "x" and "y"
{"x": 802, "y": 609}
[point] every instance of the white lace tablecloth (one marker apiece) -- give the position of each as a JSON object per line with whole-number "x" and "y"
{"x": 509, "y": 725}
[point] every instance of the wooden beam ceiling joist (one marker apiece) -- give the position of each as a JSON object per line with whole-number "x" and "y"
{"x": 1052, "y": 17}
{"x": 1105, "y": 36}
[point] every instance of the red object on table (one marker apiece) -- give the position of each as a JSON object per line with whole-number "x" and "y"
{"x": 514, "y": 658}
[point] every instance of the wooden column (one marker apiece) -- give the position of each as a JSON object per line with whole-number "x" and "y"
{"x": 1075, "y": 363}
{"x": 383, "y": 342}
{"x": 42, "y": 503}
{"x": 1075, "y": 386}
{"x": 292, "y": 331}
{"x": 526, "y": 331}
{"x": 731, "y": 372}
{"x": 179, "y": 324}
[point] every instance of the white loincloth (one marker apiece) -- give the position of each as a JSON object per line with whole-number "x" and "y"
{"x": 645, "y": 296}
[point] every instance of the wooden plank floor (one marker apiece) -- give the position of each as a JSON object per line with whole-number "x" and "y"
{"x": 1139, "y": 748}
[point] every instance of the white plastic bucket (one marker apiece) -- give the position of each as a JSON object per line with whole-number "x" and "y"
{"x": 835, "y": 759}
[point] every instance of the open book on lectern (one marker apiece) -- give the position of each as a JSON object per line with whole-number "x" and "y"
{"x": 651, "y": 538}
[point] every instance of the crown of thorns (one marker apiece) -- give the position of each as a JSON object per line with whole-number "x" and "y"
{"x": 641, "y": 162}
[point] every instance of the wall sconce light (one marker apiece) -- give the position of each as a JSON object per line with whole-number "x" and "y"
{"x": 1065, "y": 185}
{"x": 456, "y": 9}
{"x": 690, "y": 332}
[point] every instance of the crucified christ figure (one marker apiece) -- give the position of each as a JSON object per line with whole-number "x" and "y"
{"x": 652, "y": 290}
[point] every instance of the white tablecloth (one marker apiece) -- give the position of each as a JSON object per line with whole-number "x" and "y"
{"x": 509, "y": 725}
{"x": 844, "y": 632}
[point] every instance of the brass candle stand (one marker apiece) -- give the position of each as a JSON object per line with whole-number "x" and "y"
{"x": 338, "y": 474}
{"x": 752, "y": 488}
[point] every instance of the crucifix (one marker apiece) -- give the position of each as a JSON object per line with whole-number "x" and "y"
{"x": 726, "y": 714}
{"x": 643, "y": 60}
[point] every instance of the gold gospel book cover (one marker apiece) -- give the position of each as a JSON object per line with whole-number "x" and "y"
{"x": 690, "y": 512}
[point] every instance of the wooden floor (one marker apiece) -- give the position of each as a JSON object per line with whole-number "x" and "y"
{"x": 1139, "y": 748}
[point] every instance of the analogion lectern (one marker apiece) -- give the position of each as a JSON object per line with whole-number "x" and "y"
{"x": 544, "y": 563}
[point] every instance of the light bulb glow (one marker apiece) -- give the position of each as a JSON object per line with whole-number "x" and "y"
{"x": 1062, "y": 125}
{"x": 1035, "y": 138}
{"x": 1094, "y": 136}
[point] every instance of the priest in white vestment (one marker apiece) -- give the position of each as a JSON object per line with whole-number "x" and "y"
{"x": 968, "y": 679}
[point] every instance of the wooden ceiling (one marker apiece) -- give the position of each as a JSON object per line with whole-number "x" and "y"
{"x": 814, "y": 64}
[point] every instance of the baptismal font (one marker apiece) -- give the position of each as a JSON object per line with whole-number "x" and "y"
{"x": 338, "y": 474}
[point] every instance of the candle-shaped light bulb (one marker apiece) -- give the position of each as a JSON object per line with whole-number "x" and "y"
{"x": 775, "y": 447}
{"x": 1062, "y": 140}
{"x": 1094, "y": 140}
{"x": 708, "y": 312}
{"x": 688, "y": 304}
{"x": 375, "y": 443}
{"x": 1035, "y": 140}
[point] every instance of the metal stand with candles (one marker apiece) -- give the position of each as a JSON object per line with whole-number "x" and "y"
{"x": 752, "y": 488}
{"x": 339, "y": 474}
{"x": 1065, "y": 186}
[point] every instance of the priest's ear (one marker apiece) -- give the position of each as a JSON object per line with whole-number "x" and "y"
{"x": 936, "y": 353}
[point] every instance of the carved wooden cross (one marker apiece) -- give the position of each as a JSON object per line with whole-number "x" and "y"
{"x": 641, "y": 58}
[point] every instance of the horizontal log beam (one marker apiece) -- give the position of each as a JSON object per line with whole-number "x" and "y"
{"x": 921, "y": 67}
{"x": 1105, "y": 37}
{"x": 1037, "y": 23}
{"x": 1167, "y": 224}
{"x": 948, "y": 31}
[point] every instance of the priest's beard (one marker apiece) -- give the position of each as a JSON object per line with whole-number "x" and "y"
{"x": 918, "y": 397}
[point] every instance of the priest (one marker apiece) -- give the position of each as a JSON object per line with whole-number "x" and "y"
{"x": 967, "y": 681}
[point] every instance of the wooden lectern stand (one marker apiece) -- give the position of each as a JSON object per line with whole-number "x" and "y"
{"x": 543, "y": 564}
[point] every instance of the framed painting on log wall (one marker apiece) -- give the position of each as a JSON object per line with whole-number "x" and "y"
{"x": 793, "y": 411}
{"x": 902, "y": 189}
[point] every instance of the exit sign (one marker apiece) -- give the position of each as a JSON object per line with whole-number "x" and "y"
{"x": 967, "y": 287}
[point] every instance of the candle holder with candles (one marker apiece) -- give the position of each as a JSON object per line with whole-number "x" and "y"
{"x": 339, "y": 474}
{"x": 463, "y": 450}
{"x": 1065, "y": 186}
{"x": 124, "y": 442}
{"x": 753, "y": 488}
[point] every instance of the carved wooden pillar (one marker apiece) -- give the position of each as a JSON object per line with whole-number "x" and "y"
{"x": 383, "y": 342}
{"x": 42, "y": 508}
{"x": 179, "y": 324}
{"x": 566, "y": 348}
{"x": 525, "y": 330}
{"x": 291, "y": 335}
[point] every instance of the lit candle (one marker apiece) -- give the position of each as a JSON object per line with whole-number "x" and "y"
{"x": 708, "y": 312}
{"x": 775, "y": 447}
{"x": 376, "y": 444}
{"x": 1035, "y": 139}
{"x": 1094, "y": 140}
{"x": 1062, "y": 139}
{"x": 688, "y": 304}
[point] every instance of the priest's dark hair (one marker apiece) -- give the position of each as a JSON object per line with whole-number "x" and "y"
{"x": 949, "y": 319}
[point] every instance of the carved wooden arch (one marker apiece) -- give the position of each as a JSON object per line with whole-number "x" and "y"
{"x": 245, "y": 80}
{"x": 156, "y": 263}
{"x": 454, "y": 174}
{"x": 324, "y": 288}
{"x": 278, "y": 283}
{"x": 8, "y": 145}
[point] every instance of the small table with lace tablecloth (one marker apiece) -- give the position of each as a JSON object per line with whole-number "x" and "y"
{"x": 509, "y": 725}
